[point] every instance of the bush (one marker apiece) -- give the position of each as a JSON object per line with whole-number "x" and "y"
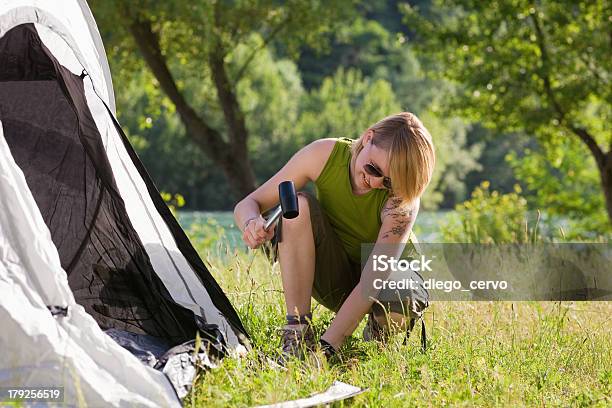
{"x": 173, "y": 201}
{"x": 490, "y": 217}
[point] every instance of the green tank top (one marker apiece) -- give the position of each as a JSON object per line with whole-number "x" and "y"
{"x": 355, "y": 218}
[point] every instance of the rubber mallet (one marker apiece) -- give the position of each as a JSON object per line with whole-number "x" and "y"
{"x": 288, "y": 207}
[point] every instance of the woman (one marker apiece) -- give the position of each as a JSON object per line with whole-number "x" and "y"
{"x": 368, "y": 190}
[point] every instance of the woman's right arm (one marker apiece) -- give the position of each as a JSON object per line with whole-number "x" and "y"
{"x": 304, "y": 166}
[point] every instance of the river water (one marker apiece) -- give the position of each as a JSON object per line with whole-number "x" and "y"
{"x": 427, "y": 227}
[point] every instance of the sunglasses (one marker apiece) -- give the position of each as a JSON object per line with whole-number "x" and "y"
{"x": 373, "y": 171}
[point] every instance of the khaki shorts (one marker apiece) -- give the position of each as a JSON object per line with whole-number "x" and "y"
{"x": 336, "y": 275}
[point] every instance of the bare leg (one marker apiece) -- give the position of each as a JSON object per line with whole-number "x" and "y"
{"x": 296, "y": 254}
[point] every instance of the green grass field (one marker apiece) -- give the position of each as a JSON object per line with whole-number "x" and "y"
{"x": 480, "y": 353}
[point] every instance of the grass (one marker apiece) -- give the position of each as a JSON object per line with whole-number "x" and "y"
{"x": 480, "y": 353}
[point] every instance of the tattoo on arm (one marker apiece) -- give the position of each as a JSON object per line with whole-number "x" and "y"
{"x": 403, "y": 217}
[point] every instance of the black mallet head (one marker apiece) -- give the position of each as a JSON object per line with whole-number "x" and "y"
{"x": 288, "y": 207}
{"x": 288, "y": 199}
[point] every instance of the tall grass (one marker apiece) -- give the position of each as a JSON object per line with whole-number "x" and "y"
{"x": 480, "y": 353}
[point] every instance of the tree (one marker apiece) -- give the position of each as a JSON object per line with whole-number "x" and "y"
{"x": 558, "y": 178}
{"x": 345, "y": 105}
{"x": 183, "y": 41}
{"x": 542, "y": 68}
{"x": 269, "y": 94}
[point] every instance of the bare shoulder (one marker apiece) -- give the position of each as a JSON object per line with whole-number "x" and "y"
{"x": 316, "y": 155}
{"x": 322, "y": 147}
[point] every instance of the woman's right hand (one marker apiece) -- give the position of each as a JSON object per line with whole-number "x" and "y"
{"x": 254, "y": 233}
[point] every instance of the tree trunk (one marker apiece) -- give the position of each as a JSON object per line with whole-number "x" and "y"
{"x": 240, "y": 175}
{"x": 232, "y": 156}
{"x": 238, "y": 168}
{"x": 605, "y": 171}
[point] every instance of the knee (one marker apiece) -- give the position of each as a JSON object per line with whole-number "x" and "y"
{"x": 303, "y": 218}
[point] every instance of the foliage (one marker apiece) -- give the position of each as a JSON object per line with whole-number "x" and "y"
{"x": 345, "y": 105}
{"x": 541, "y": 69}
{"x": 184, "y": 42}
{"x": 363, "y": 45}
{"x": 190, "y": 30}
{"x": 454, "y": 159}
{"x": 494, "y": 166}
{"x": 370, "y": 47}
{"x": 369, "y": 69}
{"x": 559, "y": 180}
{"x": 492, "y": 51}
{"x": 174, "y": 162}
{"x": 173, "y": 201}
{"x": 269, "y": 93}
{"x": 415, "y": 89}
{"x": 492, "y": 218}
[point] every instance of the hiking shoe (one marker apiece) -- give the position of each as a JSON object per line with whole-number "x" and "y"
{"x": 327, "y": 349}
{"x": 297, "y": 340}
{"x": 373, "y": 332}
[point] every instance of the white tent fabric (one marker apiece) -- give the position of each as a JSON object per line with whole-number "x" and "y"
{"x": 37, "y": 348}
{"x": 41, "y": 350}
{"x": 73, "y": 22}
{"x": 65, "y": 32}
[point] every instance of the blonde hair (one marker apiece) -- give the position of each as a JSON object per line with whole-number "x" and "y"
{"x": 410, "y": 150}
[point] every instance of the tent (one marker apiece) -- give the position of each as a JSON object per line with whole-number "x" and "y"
{"x": 88, "y": 248}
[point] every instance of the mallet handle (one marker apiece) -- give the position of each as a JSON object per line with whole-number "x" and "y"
{"x": 277, "y": 213}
